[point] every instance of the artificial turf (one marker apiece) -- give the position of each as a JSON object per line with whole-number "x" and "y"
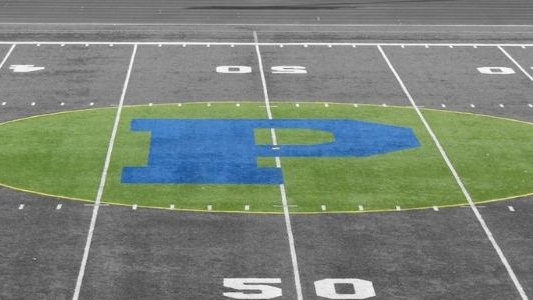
{"x": 63, "y": 154}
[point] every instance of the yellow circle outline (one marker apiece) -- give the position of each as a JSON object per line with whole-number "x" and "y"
{"x": 264, "y": 212}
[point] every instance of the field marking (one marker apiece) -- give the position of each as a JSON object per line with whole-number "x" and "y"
{"x": 103, "y": 179}
{"x": 233, "y": 44}
{"x": 458, "y": 179}
{"x": 7, "y": 56}
{"x": 286, "y": 214}
{"x": 264, "y": 24}
{"x": 516, "y": 63}
{"x": 89, "y": 202}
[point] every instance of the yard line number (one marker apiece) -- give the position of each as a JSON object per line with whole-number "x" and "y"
{"x": 264, "y": 288}
{"x": 274, "y": 69}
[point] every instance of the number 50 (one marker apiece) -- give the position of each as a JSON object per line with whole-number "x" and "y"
{"x": 262, "y": 288}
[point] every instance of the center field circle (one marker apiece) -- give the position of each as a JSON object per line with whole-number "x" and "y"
{"x": 62, "y": 155}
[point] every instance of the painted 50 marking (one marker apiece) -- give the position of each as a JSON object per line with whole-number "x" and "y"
{"x": 262, "y": 288}
{"x": 274, "y": 69}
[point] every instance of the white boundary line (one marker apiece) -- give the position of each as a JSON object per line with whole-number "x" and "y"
{"x": 155, "y": 43}
{"x": 459, "y": 181}
{"x": 263, "y": 24}
{"x": 516, "y": 63}
{"x": 103, "y": 179}
{"x": 7, "y": 55}
{"x": 286, "y": 213}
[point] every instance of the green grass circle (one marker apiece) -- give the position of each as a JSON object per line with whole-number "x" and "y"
{"x": 63, "y": 155}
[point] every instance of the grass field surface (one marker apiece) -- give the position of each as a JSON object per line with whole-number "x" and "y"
{"x": 63, "y": 154}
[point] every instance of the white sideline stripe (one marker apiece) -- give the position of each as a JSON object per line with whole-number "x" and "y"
{"x": 516, "y": 63}
{"x": 266, "y": 24}
{"x": 458, "y": 180}
{"x": 157, "y": 43}
{"x": 286, "y": 214}
{"x": 103, "y": 179}
{"x": 7, "y": 55}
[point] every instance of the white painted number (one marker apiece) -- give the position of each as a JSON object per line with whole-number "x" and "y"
{"x": 248, "y": 69}
{"x": 289, "y": 70}
{"x": 25, "y": 68}
{"x": 362, "y": 289}
{"x": 496, "y": 70}
{"x": 257, "y": 285}
{"x": 234, "y": 69}
{"x": 325, "y": 288}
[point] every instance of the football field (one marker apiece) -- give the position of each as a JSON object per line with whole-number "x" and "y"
{"x": 266, "y": 170}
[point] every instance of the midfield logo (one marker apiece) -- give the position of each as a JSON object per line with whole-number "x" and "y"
{"x": 223, "y": 151}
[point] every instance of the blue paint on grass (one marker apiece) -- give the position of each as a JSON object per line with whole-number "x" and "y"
{"x": 223, "y": 151}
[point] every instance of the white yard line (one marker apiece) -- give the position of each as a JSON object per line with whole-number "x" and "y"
{"x": 103, "y": 179}
{"x": 516, "y": 63}
{"x": 286, "y": 214}
{"x": 459, "y": 181}
{"x": 7, "y": 55}
{"x": 206, "y": 43}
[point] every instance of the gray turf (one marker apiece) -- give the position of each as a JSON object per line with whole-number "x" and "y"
{"x": 409, "y": 255}
{"x": 171, "y": 74}
{"x": 167, "y": 255}
{"x": 75, "y": 75}
{"x": 40, "y": 246}
{"x": 147, "y": 254}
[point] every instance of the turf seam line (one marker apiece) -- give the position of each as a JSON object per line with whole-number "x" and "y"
{"x": 286, "y": 214}
{"x": 471, "y": 203}
{"x": 103, "y": 179}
